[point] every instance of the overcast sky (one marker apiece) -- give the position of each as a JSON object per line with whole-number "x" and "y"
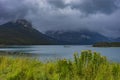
{"x": 102, "y": 16}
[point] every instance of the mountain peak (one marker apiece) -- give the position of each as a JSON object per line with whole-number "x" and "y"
{"x": 24, "y": 23}
{"x": 20, "y": 32}
{"x": 78, "y": 37}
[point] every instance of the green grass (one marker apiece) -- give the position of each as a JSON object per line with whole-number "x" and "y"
{"x": 87, "y": 66}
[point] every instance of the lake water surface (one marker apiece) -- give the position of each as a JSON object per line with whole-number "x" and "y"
{"x": 63, "y": 51}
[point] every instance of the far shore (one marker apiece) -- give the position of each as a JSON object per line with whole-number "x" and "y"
{"x": 7, "y": 53}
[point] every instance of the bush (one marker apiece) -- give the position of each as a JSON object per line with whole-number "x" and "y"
{"x": 86, "y": 66}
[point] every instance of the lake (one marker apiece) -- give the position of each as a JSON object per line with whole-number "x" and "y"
{"x": 45, "y": 52}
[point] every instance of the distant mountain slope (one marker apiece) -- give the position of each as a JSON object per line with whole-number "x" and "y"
{"x": 21, "y": 32}
{"x": 78, "y": 37}
{"x": 117, "y": 40}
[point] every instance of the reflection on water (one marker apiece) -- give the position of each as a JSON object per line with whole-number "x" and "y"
{"x": 59, "y": 51}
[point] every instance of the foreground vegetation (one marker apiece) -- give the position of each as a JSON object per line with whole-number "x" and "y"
{"x": 88, "y": 66}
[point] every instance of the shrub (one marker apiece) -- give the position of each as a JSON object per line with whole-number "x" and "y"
{"x": 86, "y": 66}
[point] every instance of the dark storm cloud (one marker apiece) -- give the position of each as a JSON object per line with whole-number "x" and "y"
{"x": 57, "y": 3}
{"x": 93, "y": 6}
{"x": 88, "y": 6}
{"x": 14, "y": 9}
{"x": 96, "y": 15}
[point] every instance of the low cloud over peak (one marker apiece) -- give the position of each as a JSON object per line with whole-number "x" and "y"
{"x": 97, "y": 15}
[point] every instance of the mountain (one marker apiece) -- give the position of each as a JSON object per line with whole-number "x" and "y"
{"x": 117, "y": 39}
{"x": 78, "y": 37}
{"x": 21, "y": 32}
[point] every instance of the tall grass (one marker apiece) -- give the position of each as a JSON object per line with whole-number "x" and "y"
{"x": 87, "y": 66}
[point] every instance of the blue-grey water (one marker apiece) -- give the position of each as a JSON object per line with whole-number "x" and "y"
{"x": 63, "y": 51}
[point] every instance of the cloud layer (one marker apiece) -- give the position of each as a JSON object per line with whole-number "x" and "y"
{"x": 96, "y": 15}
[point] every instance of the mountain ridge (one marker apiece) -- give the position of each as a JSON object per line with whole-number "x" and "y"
{"x": 22, "y": 32}
{"x": 78, "y": 37}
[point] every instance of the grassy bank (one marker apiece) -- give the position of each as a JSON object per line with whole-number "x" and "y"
{"x": 87, "y": 66}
